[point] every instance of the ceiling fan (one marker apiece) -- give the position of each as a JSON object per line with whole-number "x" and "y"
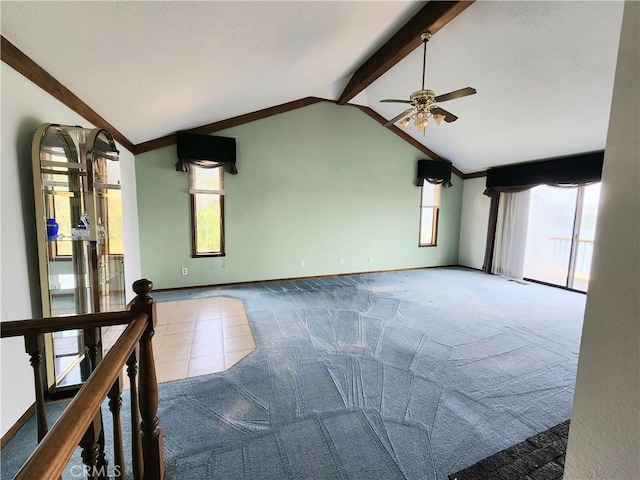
{"x": 424, "y": 103}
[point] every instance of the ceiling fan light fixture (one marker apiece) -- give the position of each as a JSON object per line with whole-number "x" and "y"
{"x": 421, "y": 123}
{"x": 424, "y": 102}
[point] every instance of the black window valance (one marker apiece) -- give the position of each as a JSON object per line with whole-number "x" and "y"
{"x": 434, "y": 171}
{"x": 575, "y": 170}
{"x": 205, "y": 151}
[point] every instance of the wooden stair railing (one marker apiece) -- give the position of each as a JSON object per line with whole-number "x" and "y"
{"x": 81, "y": 422}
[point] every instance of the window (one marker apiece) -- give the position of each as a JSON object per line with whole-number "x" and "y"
{"x": 207, "y": 211}
{"x": 429, "y": 208}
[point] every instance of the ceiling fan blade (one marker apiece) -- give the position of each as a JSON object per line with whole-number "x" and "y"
{"x": 398, "y": 117}
{"x": 393, "y": 100}
{"x": 463, "y": 92}
{"x": 448, "y": 116}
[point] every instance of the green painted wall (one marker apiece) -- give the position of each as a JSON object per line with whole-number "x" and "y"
{"x": 317, "y": 184}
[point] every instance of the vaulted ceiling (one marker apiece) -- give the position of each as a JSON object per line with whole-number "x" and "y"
{"x": 543, "y": 70}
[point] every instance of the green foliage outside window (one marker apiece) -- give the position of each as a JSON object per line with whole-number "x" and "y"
{"x": 206, "y": 186}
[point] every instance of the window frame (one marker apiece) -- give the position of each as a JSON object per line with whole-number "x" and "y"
{"x": 435, "y": 206}
{"x": 194, "y": 224}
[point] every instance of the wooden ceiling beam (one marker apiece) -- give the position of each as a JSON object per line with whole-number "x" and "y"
{"x": 407, "y": 138}
{"x": 228, "y": 123}
{"x": 24, "y": 65}
{"x": 431, "y": 18}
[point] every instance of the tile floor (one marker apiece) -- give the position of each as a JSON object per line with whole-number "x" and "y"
{"x": 196, "y": 337}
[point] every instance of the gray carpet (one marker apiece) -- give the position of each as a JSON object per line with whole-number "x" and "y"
{"x": 414, "y": 374}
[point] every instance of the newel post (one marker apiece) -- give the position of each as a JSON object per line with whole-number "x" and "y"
{"x": 152, "y": 448}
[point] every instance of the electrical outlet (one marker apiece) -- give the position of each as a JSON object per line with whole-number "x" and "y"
{"x": 301, "y": 263}
{"x": 370, "y": 259}
{"x": 439, "y": 255}
{"x": 342, "y": 261}
{"x": 184, "y": 271}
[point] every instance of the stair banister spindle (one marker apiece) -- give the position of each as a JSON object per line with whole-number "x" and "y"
{"x": 54, "y": 451}
{"x": 115, "y": 404}
{"x": 136, "y": 439}
{"x": 92, "y": 340}
{"x": 152, "y": 445}
{"x": 91, "y": 450}
{"x": 34, "y": 346}
{"x": 81, "y": 422}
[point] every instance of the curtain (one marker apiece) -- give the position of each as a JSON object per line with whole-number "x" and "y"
{"x": 576, "y": 170}
{"x": 570, "y": 171}
{"x": 205, "y": 151}
{"x": 491, "y": 234}
{"x": 511, "y": 234}
{"x": 436, "y": 172}
{"x": 183, "y": 165}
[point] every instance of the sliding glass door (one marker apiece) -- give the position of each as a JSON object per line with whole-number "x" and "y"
{"x": 588, "y": 199}
{"x": 560, "y": 235}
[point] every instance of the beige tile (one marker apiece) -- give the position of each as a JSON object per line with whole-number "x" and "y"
{"x": 180, "y": 328}
{"x": 209, "y": 305}
{"x": 236, "y": 344}
{"x": 160, "y": 330}
{"x": 235, "y": 320}
{"x": 209, "y": 324}
{"x": 232, "y": 311}
{"x": 231, "y": 359}
{"x": 225, "y": 301}
{"x": 163, "y": 312}
{"x": 215, "y": 347}
{"x": 168, "y": 371}
{"x": 236, "y": 331}
{"x": 176, "y": 339}
{"x": 157, "y": 340}
{"x": 164, "y": 318}
{"x": 232, "y": 303}
{"x": 188, "y": 302}
{"x": 208, "y": 315}
{"x": 205, "y": 336}
{"x": 166, "y": 307}
{"x": 209, "y": 302}
{"x": 198, "y": 337}
{"x": 206, "y": 365}
{"x": 187, "y": 306}
{"x": 171, "y": 353}
{"x": 184, "y": 318}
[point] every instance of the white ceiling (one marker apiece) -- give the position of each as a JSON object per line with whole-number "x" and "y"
{"x": 543, "y": 70}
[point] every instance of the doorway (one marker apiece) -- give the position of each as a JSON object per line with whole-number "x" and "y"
{"x": 560, "y": 234}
